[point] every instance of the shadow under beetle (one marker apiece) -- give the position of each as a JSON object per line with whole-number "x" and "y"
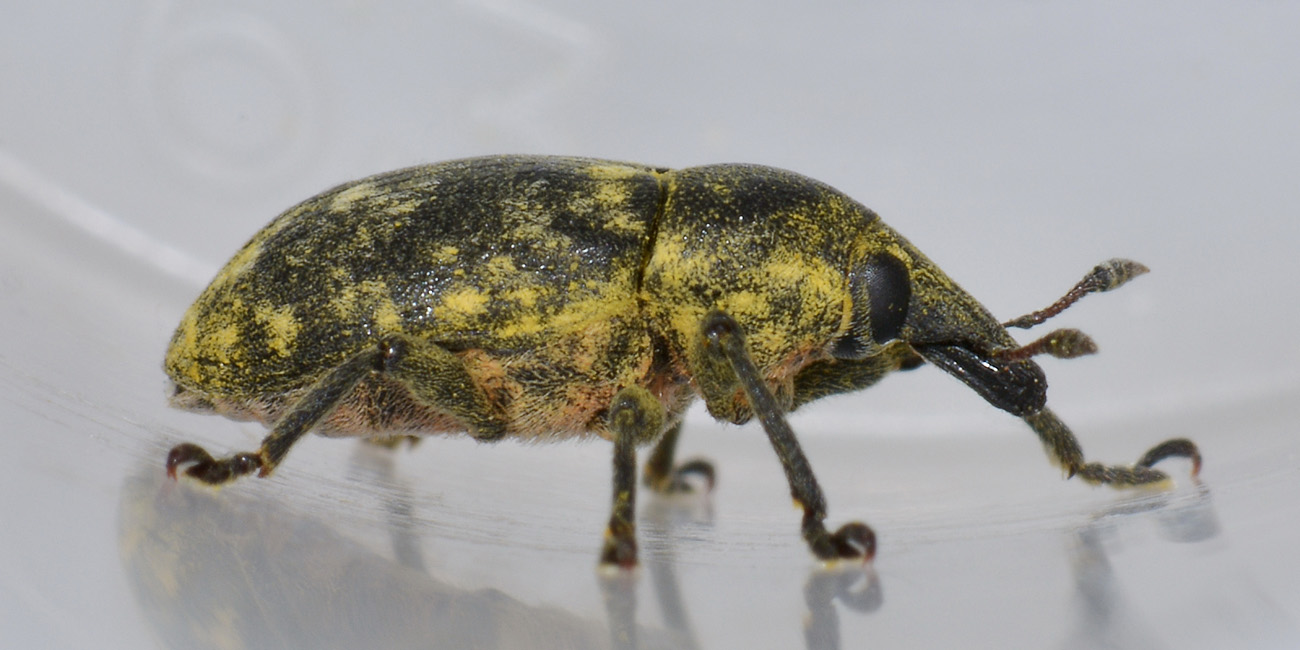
{"x": 547, "y": 297}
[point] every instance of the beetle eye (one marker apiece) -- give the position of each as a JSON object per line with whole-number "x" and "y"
{"x": 888, "y": 290}
{"x": 881, "y": 290}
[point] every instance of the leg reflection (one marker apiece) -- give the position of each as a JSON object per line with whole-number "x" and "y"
{"x": 858, "y": 588}
{"x": 1106, "y": 618}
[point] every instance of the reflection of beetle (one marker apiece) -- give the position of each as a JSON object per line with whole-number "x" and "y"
{"x": 546, "y": 297}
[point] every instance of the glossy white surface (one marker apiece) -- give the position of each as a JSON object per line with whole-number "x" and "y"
{"x": 1017, "y": 145}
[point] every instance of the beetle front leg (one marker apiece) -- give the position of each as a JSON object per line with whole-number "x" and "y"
{"x": 1064, "y": 449}
{"x": 724, "y": 340}
{"x": 635, "y": 417}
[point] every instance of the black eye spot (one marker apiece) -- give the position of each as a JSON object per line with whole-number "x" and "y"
{"x": 884, "y": 282}
{"x": 881, "y": 290}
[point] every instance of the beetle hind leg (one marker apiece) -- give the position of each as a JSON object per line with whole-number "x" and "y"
{"x": 319, "y": 401}
{"x": 662, "y": 476}
{"x": 1064, "y": 449}
{"x": 204, "y": 467}
{"x": 434, "y": 377}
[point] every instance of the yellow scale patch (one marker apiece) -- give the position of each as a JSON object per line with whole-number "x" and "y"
{"x": 387, "y": 318}
{"x": 281, "y": 326}
{"x": 500, "y": 269}
{"x": 461, "y": 304}
{"x": 445, "y": 256}
{"x": 527, "y": 296}
{"x": 368, "y": 299}
{"x": 613, "y": 172}
{"x": 222, "y": 341}
{"x": 398, "y": 208}
{"x": 344, "y": 201}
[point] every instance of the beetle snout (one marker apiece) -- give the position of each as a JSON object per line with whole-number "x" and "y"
{"x": 1017, "y": 386}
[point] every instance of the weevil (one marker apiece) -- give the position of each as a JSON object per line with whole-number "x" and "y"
{"x": 538, "y": 298}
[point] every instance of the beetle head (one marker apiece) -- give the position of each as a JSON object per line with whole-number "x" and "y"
{"x": 917, "y": 303}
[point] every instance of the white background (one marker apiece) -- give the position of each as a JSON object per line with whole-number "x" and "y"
{"x": 1016, "y": 144}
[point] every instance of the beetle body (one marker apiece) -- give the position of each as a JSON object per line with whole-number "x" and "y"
{"x": 525, "y": 268}
{"x": 548, "y": 297}
{"x": 557, "y": 280}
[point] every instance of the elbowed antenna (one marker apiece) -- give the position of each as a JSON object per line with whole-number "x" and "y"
{"x": 1111, "y": 274}
{"x": 1070, "y": 343}
{"x": 1066, "y": 343}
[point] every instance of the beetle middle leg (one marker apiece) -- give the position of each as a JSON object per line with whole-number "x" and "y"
{"x": 1065, "y": 452}
{"x": 724, "y": 343}
{"x": 662, "y": 476}
{"x": 635, "y": 417}
{"x": 434, "y": 377}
